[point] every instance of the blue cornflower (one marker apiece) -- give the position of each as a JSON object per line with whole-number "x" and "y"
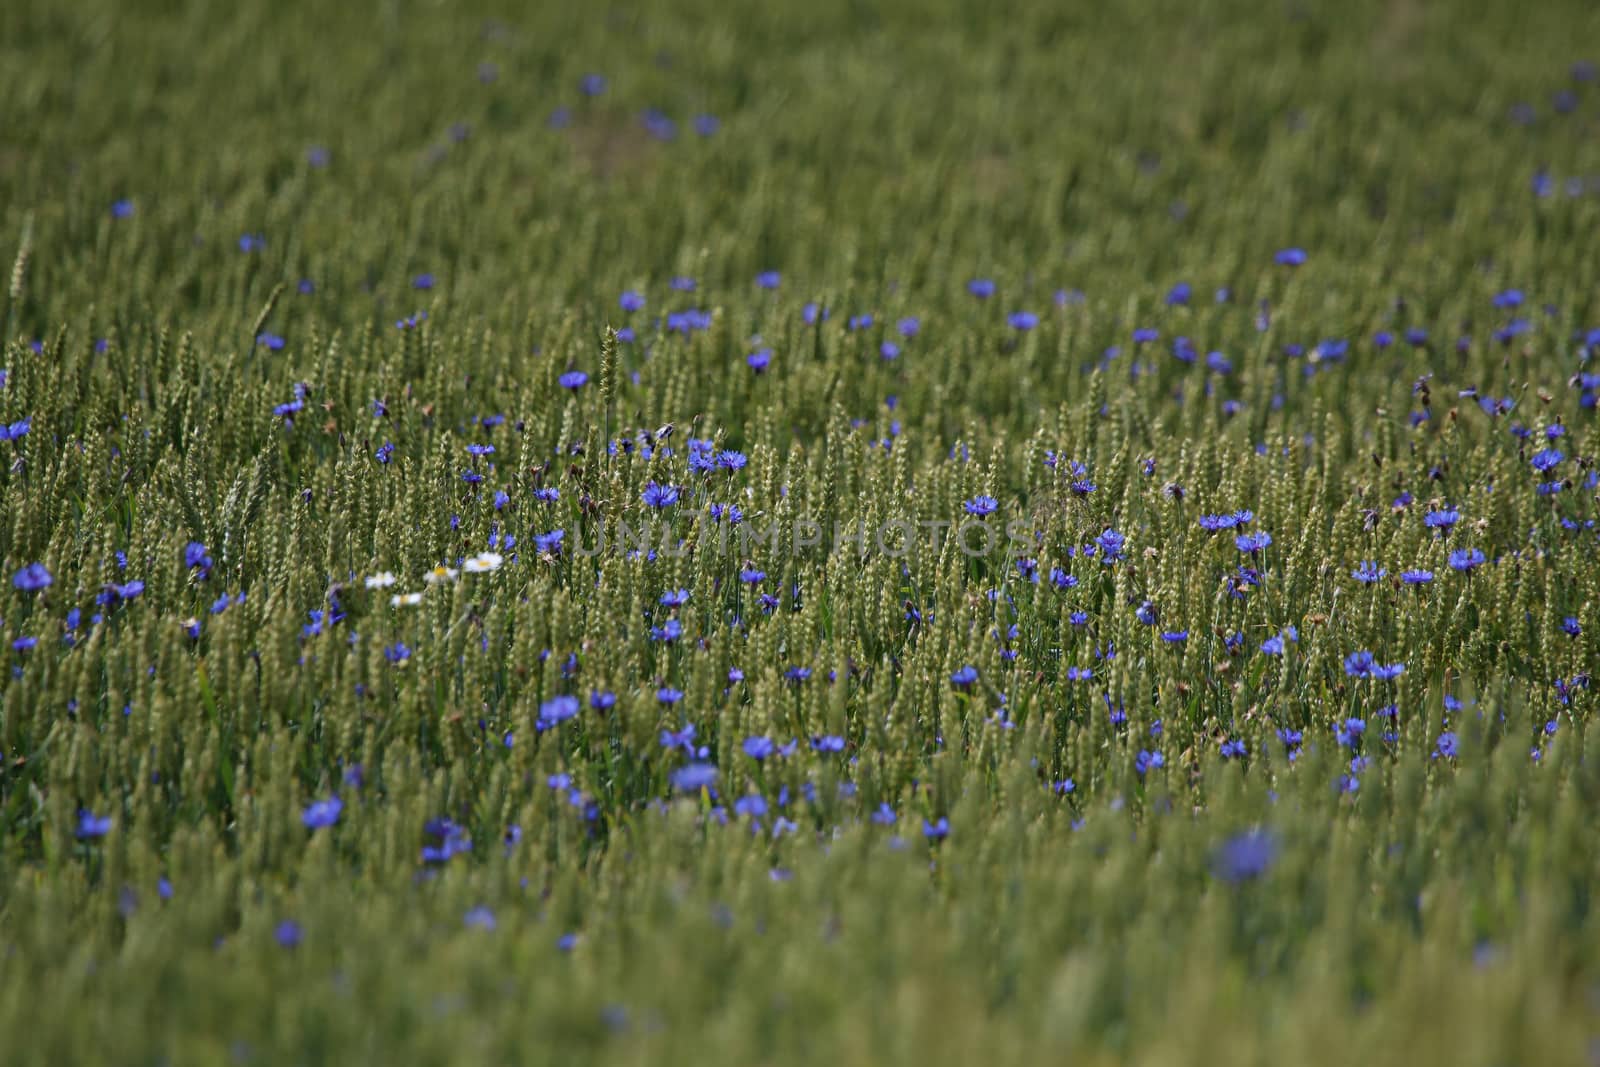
{"x": 753, "y": 806}
{"x": 981, "y": 505}
{"x": 631, "y": 301}
{"x": 982, "y": 288}
{"x": 1234, "y": 749}
{"x": 1368, "y": 572}
{"x": 1022, "y": 320}
{"x": 829, "y": 743}
{"x": 659, "y": 496}
{"x": 288, "y": 934}
{"x": 452, "y": 841}
{"x": 195, "y": 555}
{"x": 1571, "y": 626}
{"x": 480, "y": 918}
{"x": 557, "y": 710}
{"x": 759, "y": 360}
{"x": 1245, "y": 857}
{"x": 113, "y": 593}
{"x": 321, "y": 814}
{"x": 1446, "y": 747}
{"x": 668, "y": 695}
{"x": 1416, "y": 577}
{"x": 768, "y": 279}
{"x": 1441, "y": 519}
{"x": 1253, "y": 543}
{"x": 1290, "y": 257}
{"x": 92, "y": 826}
{"x": 1466, "y": 559}
{"x": 1111, "y": 544}
{"x": 936, "y": 831}
{"x": 1146, "y": 613}
{"x": 1147, "y": 761}
{"x": 759, "y": 747}
{"x": 1175, "y": 637}
{"x": 1179, "y": 294}
{"x": 1547, "y": 458}
{"x": 675, "y": 598}
{"x": 1360, "y": 664}
{"x": 592, "y": 84}
{"x": 694, "y": 777}
{"x": 573, "y": 379}
{"x": 964, "y": 677}
{"x": 681, "y": 738}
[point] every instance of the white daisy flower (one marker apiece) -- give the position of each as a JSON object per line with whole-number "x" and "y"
{"x": 405, "y": 600}
{"x": 440, "y": 575}
{"x": 381, "y": 580}
{"x": 483, "y": 562}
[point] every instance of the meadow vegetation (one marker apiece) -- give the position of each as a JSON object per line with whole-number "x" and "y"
{"x": 341, "y": 722}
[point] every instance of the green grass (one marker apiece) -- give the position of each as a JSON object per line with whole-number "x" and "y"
{"x": 1086, "y": 159}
